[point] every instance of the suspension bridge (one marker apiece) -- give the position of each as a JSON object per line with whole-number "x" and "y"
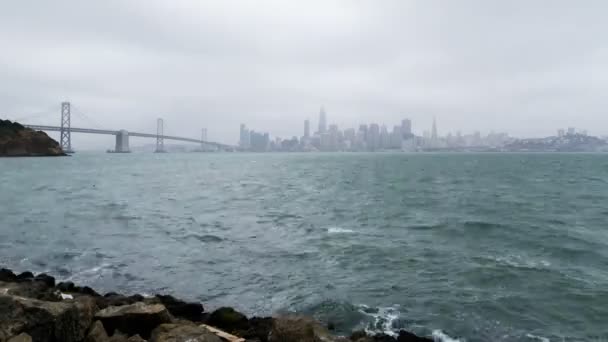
{"x": 122, "y": 136}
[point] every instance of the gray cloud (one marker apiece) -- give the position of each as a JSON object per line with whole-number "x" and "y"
{"x": 527, "y": 67}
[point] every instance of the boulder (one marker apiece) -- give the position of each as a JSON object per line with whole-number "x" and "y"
{"x": 46, "y": 279}
{"x": 30, "y": 289}
{"x": 358, "y": 335}
{"x": 23, "y": 337}
{"x": 383, "y": 338}
{"x": 182, "y": 333}
{"x": 181, "y": 309}
{"x": 25, "y": 276}
{"x": 115, "y": 299}
{"x": 85, "y": 290}
{"x": 135, "y": 338}
{"x": 7, "y": 275}
{"x": 45, "y": 321}
{"x": 67, "y": 286}
{"x": 137, "y": 318}
{"x": 229, "y": 320}
{"x": 97, "y": 333}
{"x": 406, "y": 336}
{"x": 300, "y": 329}
{"x": 259, "y": 328}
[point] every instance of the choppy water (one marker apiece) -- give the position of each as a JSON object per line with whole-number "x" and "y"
{"x": 482, "y": 247}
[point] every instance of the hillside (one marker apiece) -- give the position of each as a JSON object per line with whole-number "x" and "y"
{"x": 19, "y": 141}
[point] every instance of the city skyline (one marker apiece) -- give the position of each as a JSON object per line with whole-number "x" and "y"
{"x": 377, "y": 137}
{"x": 475, "y": 66}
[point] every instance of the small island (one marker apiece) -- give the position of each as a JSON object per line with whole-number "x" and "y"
{"x": 19, "y": 141}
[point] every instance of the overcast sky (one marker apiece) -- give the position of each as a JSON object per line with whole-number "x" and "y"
{"x": 522, "y": 66}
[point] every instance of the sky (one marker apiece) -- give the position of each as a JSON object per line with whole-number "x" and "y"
{"x": 527, "y": 67}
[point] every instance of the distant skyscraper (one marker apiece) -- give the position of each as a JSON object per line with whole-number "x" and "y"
{"x": 373, "y": 137}
{"x": 322, "y": 121}
{"x": 434, "y": 131}
{"x": 571, "y": 131}
{"x": 406, "y": 128}
{"x": 204, "y": 134}
{"x": 306, "y": 129}
{"x": 385, "y": 138}
{"x": 245, "y": 137}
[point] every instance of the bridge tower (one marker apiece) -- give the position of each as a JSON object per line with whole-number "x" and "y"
{"x": 160, "y": 142}
{"x": 203, "y": 138}
{"x": 66, "y": 134}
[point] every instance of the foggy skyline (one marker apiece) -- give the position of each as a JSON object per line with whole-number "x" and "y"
{"x": 527, "y": 68}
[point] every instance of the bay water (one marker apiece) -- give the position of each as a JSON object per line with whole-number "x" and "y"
{"x": 469, "y": 247}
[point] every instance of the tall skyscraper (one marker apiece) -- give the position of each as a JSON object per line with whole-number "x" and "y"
{"x": 385, "y": 137}
{"x": 434, "y": 131}
{"x": 245, "y": 137}
{"x": 373, "y": 137}
{"x": 322, "y": 121}
{"x": 306, "y": 129}
{"x": 406, "y": 128}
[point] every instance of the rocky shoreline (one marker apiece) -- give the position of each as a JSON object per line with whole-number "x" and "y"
{"x": 19, "y": 141}
{"x": 36, "y": 308}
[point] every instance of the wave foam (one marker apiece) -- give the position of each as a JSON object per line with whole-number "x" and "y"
{"x": 383, "y": 319}
{"x": 540, "y": 338}
{"x": 519, "y": 261}
{"x": 440, "y": 336}
{"x": 338, "y": 230}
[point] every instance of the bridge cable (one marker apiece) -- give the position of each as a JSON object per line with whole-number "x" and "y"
{"x": 82, "y": 115}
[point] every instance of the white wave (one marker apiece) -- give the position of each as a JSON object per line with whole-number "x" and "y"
{"x": 338, "y": 230}
{"x": 383, "y": 319}
{"x": 440, "y": 336}
{"x": 522, "y": 262}
{"x": 90, "y": 272}
{"x": 540, "y": 338}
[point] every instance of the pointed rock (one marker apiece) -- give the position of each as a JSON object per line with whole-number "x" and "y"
{"x": 138, "y": 318}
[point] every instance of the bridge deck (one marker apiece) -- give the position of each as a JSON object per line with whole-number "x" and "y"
{"x": 131, "y": 134}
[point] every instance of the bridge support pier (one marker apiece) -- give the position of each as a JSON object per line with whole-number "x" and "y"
{"x": 122, "y": 142}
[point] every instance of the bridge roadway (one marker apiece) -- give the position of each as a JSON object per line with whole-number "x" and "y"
{"x": 130, "y": 134}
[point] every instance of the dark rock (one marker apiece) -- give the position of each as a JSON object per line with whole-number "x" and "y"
{"x": 97, "y": 333}
{"x": 299, "y": 329}
{"x": 181, "y": 309}
{"x": 114, "y": 299}
{"x": 259, "y": 328}
{"x": 45, "y": 321}
{"x": 7, "y": 275}
{"x": 86, "y": 291}
{"x": 135, "y": 338}
{"x": 34, "y": 290}
{"x": 67, "y": 286}
{"x": 137, "y": 298}
{"x": 291, "y": 329}
{"x": 229, "y": 320}
{"x": 25, "y": 276}
{"x": 406, "y": 336}
{"x": 47, "y": 279}
{"x": 357, "y": 335}
{"x": 138, "y": 318}
{"x": 383, "y": 338}
{"x": 182, "y": 333}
